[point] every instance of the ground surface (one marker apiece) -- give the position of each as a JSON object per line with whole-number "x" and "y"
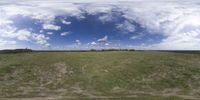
{"x": 100, "y": 76}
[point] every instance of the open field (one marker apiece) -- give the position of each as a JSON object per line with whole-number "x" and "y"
{"x": 116, "y": 75}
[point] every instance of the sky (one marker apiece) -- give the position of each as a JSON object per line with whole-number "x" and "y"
{"x": 100, "y": 24}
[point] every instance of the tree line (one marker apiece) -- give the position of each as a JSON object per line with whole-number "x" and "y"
{"x": 30, "y": 50}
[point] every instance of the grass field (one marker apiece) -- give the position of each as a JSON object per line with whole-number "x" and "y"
{"x": 100, "y": 76}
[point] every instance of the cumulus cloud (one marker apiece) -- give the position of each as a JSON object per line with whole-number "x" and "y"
{"x": 178, "y": 25}
{"x": 23, "y": 35}
{"x": 184, "y": 41}
{"x": 103, "y": 40}
{"x": 4, "y": 44}
{"x": 106, "y": 18}
{"x": 49, "y": 33}
{"x": 173, "y": 21}
{"x": 93, "y": 43}
{"x": 98, "y": 8}
{"x": 64, "y": 33}
{"x": 177, "y": 21}
{"x": 51, "y": 27}
{"x": 126, "y": 27}
{"x": 107, "y": 44}
{"x": 43, "y": 12}
{"x": 11, "y": 33}
{"x": 40, "y": 38}
{"x": 65, "y": 22}
{"x": 77, "y": 43}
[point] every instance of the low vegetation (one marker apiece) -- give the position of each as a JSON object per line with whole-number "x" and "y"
{"x": 16, "y": 51}
{"x": 120, "y": 75}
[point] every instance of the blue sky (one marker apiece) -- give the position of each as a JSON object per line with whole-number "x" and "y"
{"x": 94, "y": 24}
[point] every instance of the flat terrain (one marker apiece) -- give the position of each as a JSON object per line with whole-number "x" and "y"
{"x": 100, "y": 76}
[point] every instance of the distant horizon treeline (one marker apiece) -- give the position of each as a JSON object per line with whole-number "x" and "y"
{"x": 16, "y": 50}
{"x": 26, "y": 50}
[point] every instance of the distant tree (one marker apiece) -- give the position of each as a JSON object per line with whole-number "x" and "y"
{"x": 131, "y": 49}
{"x": 93, "y": 50}
{"x": 16, "y": 51}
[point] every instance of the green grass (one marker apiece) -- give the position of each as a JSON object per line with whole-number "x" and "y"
{"x": 87, "y": 75}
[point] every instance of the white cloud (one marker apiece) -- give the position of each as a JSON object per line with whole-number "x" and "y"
{"x": 64, "y": 33}
{"x": 126, "y": 27}
{"x": 98, "y": 8}
{"x": 183, "y": 41}
{"x": 4, "y": 44}
{"x": 49, "y": 33}
{"x": 93, "y": 43}
{"x": 51, "y": 27}
{"x": 138, "y": 36}
{"x": 65, "y": 22}
{"x": 45, "y": 12}
{"x": 41, "y": 31}
{"x": 4, "y": 21}
{"x": 176, "y": 21}
{"x": 11, "y": 33}
{"x": 23, "y": 35}
{"x": 107, "y": 44}
{"x": 47, "y": 45}
{"x": 40, "y": 39}
{"x": 8, "y": 31}
{"x": 103, "y": 40}
{"x": 106, "y": 18}
{"x": 173, "y": 20}
{"x": 77, "y": 44}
